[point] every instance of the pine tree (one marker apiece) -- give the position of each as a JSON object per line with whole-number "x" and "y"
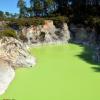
{"x": 31, "y": 9}
{"x": 22, "y": 6}
{"x": 47, "y": 4}
{"x": 38, "y": 7}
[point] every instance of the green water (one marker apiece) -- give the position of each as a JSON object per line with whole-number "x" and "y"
{"x": 59, "y": 75}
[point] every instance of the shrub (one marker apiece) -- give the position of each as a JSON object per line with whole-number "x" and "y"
{"x": 36, "y": 21}
{"x": 8, "y": 32}
{"x": 26, "y": 22}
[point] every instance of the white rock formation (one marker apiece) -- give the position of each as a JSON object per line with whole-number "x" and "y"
{"x": 46, "y": 33}
{"x": 7, "y": 74}
{"x": 49, "y": 29}
{"x": 13, "y": 54}
{"x": 66, "y": 33}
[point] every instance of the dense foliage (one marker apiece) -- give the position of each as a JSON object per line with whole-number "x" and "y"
{"x": 21, "y": 22}
{"x": 8, "y": 32}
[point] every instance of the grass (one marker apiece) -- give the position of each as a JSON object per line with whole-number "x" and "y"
{"x": 60, "y": 74}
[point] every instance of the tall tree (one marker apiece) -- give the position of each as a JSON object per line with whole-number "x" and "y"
{"x": 62, "y": 6}
{"x": 1, "y": 14}
{"x": 38, "y": 7}
{"x": 22, "y": 6}
{"x": 31, "y": 9}
{"x": 7, "y": 14}
{"x": 47, "y": 4}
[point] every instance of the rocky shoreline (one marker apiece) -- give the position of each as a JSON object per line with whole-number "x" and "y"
{"x": 13, "y": 55}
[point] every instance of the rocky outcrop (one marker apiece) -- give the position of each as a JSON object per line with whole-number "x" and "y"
{"x": 7, "y": 74}
{"x": 86, "y": 36}
{"x": 96, "y": 54}
{"x": 3, "y": 23}
{"x": 13, "y": 54}
{"x": 82, "y": 34}
{"x": 46, "y": 33}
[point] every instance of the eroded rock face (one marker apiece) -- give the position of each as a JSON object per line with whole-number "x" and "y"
{"x": 96, "y": 55}
{"x": 83, "y": 35}
{"x": 13, "y": 54}
{"x": 7, "y": 74}
{"x": 46, "y": 33}
{"x": 65, "y": 32}
{"x": 49, "y": 29}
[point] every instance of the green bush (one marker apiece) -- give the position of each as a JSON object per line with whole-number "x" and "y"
{"x": 36, "y": 21}
{"x": 59, "y": 20}
{"x": 93, "y": 20}
{"x": 8, "y": 32}
{"x": 26, "y": 21}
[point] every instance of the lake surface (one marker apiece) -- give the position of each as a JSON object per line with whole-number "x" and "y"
{"x": 60, "y": 74}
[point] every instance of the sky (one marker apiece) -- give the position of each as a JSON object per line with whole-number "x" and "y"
{"x": 9, "y": 5}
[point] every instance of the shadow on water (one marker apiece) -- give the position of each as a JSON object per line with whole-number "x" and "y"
{"x": 96, "y": 69}
{"x": 86, "y": 55}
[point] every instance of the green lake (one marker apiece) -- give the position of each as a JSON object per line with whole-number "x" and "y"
{"x": 62, "y": 72}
